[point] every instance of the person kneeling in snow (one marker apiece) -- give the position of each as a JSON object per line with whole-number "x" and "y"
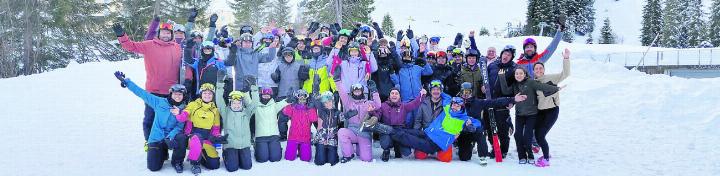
{"x": 443, "y": 131}
{"x": 164, "y": 132}
{"x": 203, "y": 129}
{"x": 236, "y": 122}
{"x": 301, "y": 117}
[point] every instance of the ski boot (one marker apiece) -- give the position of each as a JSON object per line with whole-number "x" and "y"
{"x": 347, "y": 159}
{"x": 522, "y": 161}
{"x": 178, "y": 167}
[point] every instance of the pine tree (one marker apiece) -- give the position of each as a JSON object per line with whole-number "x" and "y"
{"x": 352, "y": 11}
{"x": 178, "y": 10}
{"x": 280, "y": 13}
{"x": 387, "y": 25}
{"x": 714, "y": 29}
{"x": 683, "y": 23}
{"x": 540, "y": 11}
{"x": 652, "y": 22}
{"x": 249, "y": 12}
{"x": 606, "y": 34}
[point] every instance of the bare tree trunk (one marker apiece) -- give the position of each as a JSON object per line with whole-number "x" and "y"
{"x": 28, "y": 56}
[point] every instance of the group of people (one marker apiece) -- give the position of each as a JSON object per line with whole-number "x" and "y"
{"x": 352, "y": 86}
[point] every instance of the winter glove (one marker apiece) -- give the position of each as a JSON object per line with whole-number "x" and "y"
{"x": 224, "y": 32}
{"x": 336, "y": 75}
{"x": 213, "y": 19}
{"x": 219, "y": 139}
{"x": 392, "y": 46}
{"x": 399, "y": 35}
{"x": 192, "y": 15}
{"x": 458, "y": 39}
{"x": 189, "y": 43}
{"x": 378, "y": 30}
{"x": 172, "y": 144}
{"x": 117, "y": 28}
{"x": 420, "y": 62}
{"x": 233, "y": 48}
{"x": 372, "y": 88}
{"x": 337, "y": 26}
{"x": 349, "y": 114}
{"x": 561, "y": 22}
{"x": 410, "y": 33}
{"x": 291, "y": 98}
{"x": 313, "y": 27}
{"x": 304, "y": 73}
{"x": 250, "y": 80}
{"x": 121, "y": 76}
{"x": 275, "y": 76}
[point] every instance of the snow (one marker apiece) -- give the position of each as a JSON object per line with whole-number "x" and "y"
{"x": 78, "y": 121}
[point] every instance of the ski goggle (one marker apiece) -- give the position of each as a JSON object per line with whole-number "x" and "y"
{"x": 301, "y": 94}
{"x": 435, "y": 83}
{"x": 166, "y": 26}
{"x": 362, "y": 40}
{"x": 236, "y": 95}
{"x": 356, "y": 87}
{"x": 178, "y": 88}
{"x": 246, "y": 29}
{"x": 326, "y": 96}
{"x": 323, "y": 35}
{"x": 457, "y": 51}
{"x": 266, "y": 91}
{"x": 246, "y": 37}
{"x": 466, "y": 86}
{"x": 207, "y": 86}
{"x": 316, "y": 43}
{"x": 509, "y": 47}
{"x": 344, "y": 32}
{"x": 457, "y": 100}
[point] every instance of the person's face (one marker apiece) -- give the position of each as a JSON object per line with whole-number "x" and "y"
{"x": 207, "y": 50}
{"x": 456, "y": 107}
{"x": 301, "y": 46}
{"x": 166, "y": 35}
{"x": 366, "y": 34}
{"x": 394, "y": 96}
{"x": 491, "y": 53}
{"x": 506, "y": 57}
{"x": 177, "y": 96}
{"x": 435, "y": 92}
{"x": 197, "y": 39}
{"x": 471, "y": 60}
{"x": 529, "y": 49}
{"x": 236, "y": 105}
{"x": 325, "y": 30}
{"x": 288, "y": 57}
{"x": 302, "y": 100}
{"x": 247, "y": 44}
{"x": 316, "y": 49}
{"x": 539, "y": 70}
{"x": 207, "y": 96}
{"x": 354, "y": 53}
{"x": 357, "y": 92}
{"x": 343, "y": 40}
{"x": 328, "y": 105}
{"x": 441, "y": 60}
{"x": 459, "y": 59}
{"x": 467, "y": 93}
{"x": 433, "y": 43}
{"x": 519, "y": 75}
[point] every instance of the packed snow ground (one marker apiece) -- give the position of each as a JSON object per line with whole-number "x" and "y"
{"x": 613, "y": 121}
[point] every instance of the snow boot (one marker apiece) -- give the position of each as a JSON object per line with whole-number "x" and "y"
{"x": 347, "y": 159}
{"x": 386, "y": 155}
{"x": 542, "y": 162}
{"x": 483, "y": 161}
{"x": 195, "y": 167}
{"x": 178, "y": 167}
{"x": 522, "y": 161}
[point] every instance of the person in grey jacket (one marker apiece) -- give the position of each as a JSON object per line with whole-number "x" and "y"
{"x": 245, "y": 59}
{"x": 526, "y": 111}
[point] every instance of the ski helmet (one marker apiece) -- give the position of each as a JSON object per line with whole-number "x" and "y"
{"x": 364, "y": 29}
{"x": 362, "y": 40}
{"x": 196, "y": 34}
{"x": 509, "y": 48}
{"x": 266, "y": 91}
{"x": 236, "y": 95}
{"x": 457, "y": 100}
{"x": 436, "y": 83}
{"x": 344, "y": 32}
{"x": 356, "y": 86}
{"x": 466, "y": 87}
{"x": 322, "y": 35}
{"x": 178, "y": 88}
{"x": 327, "y": 96}
{"x": 435, "y": 39}
{"x": 473, "y": 52}
{"x": 441, "y": 54}
{"x": 354, "y": 46}
{"x": 207, "y": 87}
{"x": 246, "y": 29}
{"x": 178, "y": 27}
{"x": 287, "y": 51}
{"x": 300, "y": 94}
{"x": 246, "y": 37}
{"x": 207, "y": 45}
{"x": 529, "y": 41}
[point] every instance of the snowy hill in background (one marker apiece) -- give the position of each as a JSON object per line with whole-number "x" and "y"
{"x": 78, "y": 121}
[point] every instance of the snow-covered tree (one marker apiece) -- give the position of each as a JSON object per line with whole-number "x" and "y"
{"x": 683, "y": 24}
{"x": 606, "y": 34}
{"x": 714, "y": 29}
{"x": 652, "y": 22}
{"x": 280, "y": 13}
{"x": 249, "y": 12}
{"x": 388, "y": 26}
{"x": 352, "y": 11}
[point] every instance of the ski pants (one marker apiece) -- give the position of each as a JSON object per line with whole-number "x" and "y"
{"x": 148, "y": 118}
{"x": 524, "y": 127}
{"x": 237, "y": 159}
{"x": 326, "y": 154}
{"x": 267, "y": 148}
{"x": 466, "y": 141}
{"x": 158, "y": 152}
{"x": 363, "y": 148}
{"x": 546, "y": 120}
{"x": 292, "y": 148}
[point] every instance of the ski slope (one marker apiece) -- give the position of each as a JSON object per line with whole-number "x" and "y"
{"x": 78, "y": 121}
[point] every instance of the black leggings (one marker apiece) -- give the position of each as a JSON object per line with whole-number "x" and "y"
{"x": 524, "y": 127}
{"x": 546, "y": 119}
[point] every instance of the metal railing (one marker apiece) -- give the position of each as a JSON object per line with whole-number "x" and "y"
{"x": 677, "y": 57}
